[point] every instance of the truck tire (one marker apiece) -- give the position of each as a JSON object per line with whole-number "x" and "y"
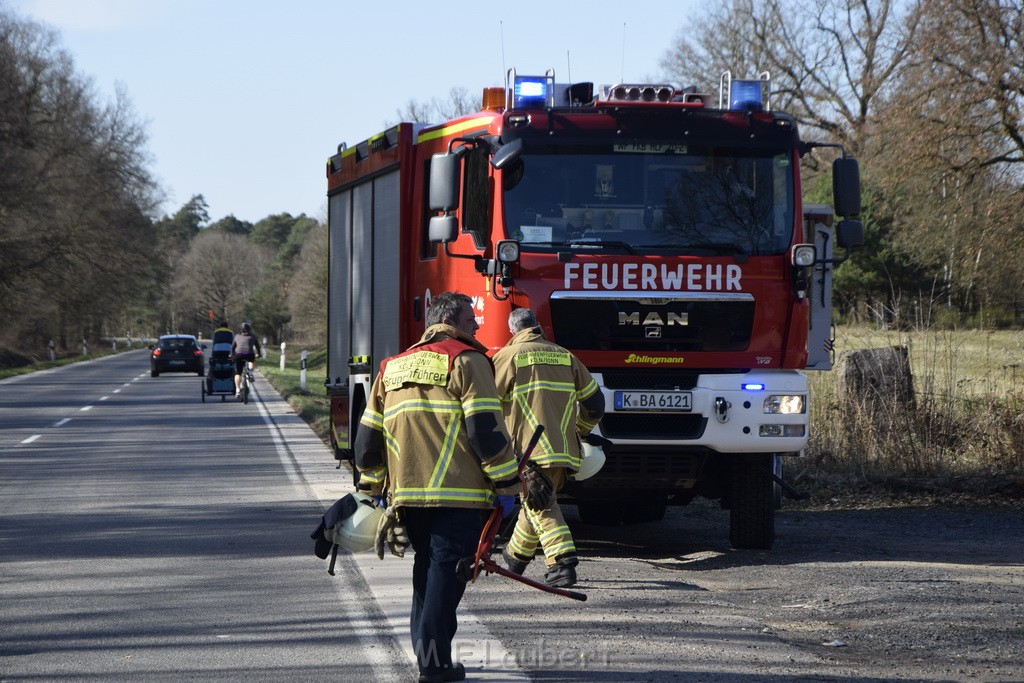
{"x": 751, "y": 502}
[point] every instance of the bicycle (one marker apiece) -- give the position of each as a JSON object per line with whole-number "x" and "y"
{"x": 247, "y": 382}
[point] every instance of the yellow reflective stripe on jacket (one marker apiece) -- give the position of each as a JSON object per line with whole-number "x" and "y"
{"x": 423, "y": 405}
{"x": 444, "y": 458}
{"x": 374, "y": 475}
{"x": 521, "y": 394}
{"x": 482, "y": 405}
{"x": 392, "y": 445}
{"x": 372, "y": 419}
{"x": 499, "y": 471}
{"x": 588, "y": 391}
{"x": 440, "y": 495}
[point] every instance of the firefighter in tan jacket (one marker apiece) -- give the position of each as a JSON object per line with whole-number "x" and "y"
{"x": 541, "y": 382}
{"x": 432, "y": 439}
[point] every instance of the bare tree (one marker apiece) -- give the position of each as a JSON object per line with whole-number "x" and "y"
{"x": 75, "y": 195}
{"x": 829, "y": 60}
{"x": 952, "y": 148}
{"x": 307, "y": 293}
{"x": 458, "y": 103}
{"x": 219, "y": 273}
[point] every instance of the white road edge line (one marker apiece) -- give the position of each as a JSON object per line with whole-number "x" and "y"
{"x": 376, "y": 657}
{"x": 482, "y": 653}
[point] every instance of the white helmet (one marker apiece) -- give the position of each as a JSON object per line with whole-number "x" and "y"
{"x": 593, "y": 461}
{"x": 356, "y": 533}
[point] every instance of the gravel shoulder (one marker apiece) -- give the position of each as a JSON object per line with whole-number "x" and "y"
{"x": 905, "y": 589}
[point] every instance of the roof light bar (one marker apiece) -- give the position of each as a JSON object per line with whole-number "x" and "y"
{"x": 641, "y": 92}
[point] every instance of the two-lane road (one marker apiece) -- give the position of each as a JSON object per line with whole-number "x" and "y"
{"x": 146, "y": 534}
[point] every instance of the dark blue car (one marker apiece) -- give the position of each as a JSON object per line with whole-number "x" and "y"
{"x": 176, "y": 353}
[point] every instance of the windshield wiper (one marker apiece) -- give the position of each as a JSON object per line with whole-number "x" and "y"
{"x": 585, "y": 244}
{"x": 600, "y": 244}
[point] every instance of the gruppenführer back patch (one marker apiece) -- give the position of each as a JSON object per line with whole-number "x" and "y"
{"x": 422, "y": 367}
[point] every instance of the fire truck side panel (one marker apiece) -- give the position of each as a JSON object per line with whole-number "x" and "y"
{"x": 364, "y": 228}
{"x": 339, "y": 245}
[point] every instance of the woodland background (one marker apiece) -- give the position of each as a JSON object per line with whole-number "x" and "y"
{"x": 929, "y": 96}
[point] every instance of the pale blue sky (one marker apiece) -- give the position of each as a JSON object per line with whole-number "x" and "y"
{"x": 245, "y": 99}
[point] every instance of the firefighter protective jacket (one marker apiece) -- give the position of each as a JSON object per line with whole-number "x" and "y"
{"x": 541, "y": 382}
{"x": 432, "y": 431}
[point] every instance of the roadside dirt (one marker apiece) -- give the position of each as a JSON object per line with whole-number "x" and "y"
{"x": 901, "y": 589}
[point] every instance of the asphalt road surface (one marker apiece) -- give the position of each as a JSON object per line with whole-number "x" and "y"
{"x": 147, "y": 535}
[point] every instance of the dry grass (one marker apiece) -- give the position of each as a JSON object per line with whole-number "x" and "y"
{"x": 964, "y": 427}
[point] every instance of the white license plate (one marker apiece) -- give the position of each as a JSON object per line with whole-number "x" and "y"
{"x": 679, "y": 401}
{"x": 177, "y": 362}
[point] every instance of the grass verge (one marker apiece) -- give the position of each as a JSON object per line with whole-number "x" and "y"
{"x": 311, "y": 403}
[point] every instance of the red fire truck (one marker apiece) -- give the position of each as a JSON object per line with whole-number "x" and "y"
{"x": 658, "y": 235}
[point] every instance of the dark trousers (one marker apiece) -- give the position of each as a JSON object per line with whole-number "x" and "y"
{"x": 440, "y": 538}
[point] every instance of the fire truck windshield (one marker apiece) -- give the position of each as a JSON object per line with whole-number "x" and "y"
{"x": 657, "y": 198}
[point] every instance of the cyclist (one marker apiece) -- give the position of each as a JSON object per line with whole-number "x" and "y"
{"x": 244, "y": 349}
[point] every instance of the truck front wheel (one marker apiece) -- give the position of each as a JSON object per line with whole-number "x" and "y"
{"x": 752, "y": 501}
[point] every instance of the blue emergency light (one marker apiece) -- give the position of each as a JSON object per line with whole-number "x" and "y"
{"x": 753, "y": 386}
{"x": 746, "y": 95}
{"x": 531, "y": 92}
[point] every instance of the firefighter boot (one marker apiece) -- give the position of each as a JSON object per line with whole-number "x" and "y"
{"x": 515, "y": 564}
{"x": 563, "y": 574}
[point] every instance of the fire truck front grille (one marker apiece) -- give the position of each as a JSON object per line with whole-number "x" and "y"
{"x": 650, "y": 379}
{"x": 652, "y": 325}
{"x": 652, "y": 426}
{"x": 647, "y": 469}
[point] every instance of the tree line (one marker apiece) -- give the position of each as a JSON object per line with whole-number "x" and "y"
{"x": 83, "y": 253}
{"x": 928, "y": 94}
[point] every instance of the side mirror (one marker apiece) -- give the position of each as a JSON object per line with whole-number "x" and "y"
{"x": 443, "y": 229}
{"x": 850, "y": 234}
{"x": 846, "y": 186}
{"x": 444, "y": 182}
{"x": 507, "y": 154}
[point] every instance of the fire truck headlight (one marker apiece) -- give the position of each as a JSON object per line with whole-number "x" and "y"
{"x": 785, "y": 404}
{"x": 804, "y": 255}
{"x": 781, "y": 430}
{"x": 508, "y": 251}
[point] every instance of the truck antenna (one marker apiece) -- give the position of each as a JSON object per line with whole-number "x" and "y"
{"x": 622, "y": 75}
{"x": 501, "y": 31}
{"x": 568, "y": 66}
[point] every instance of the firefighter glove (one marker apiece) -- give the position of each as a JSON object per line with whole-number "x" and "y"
{"x": 391, "y": 533}
{"x": 537, "y": 488}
